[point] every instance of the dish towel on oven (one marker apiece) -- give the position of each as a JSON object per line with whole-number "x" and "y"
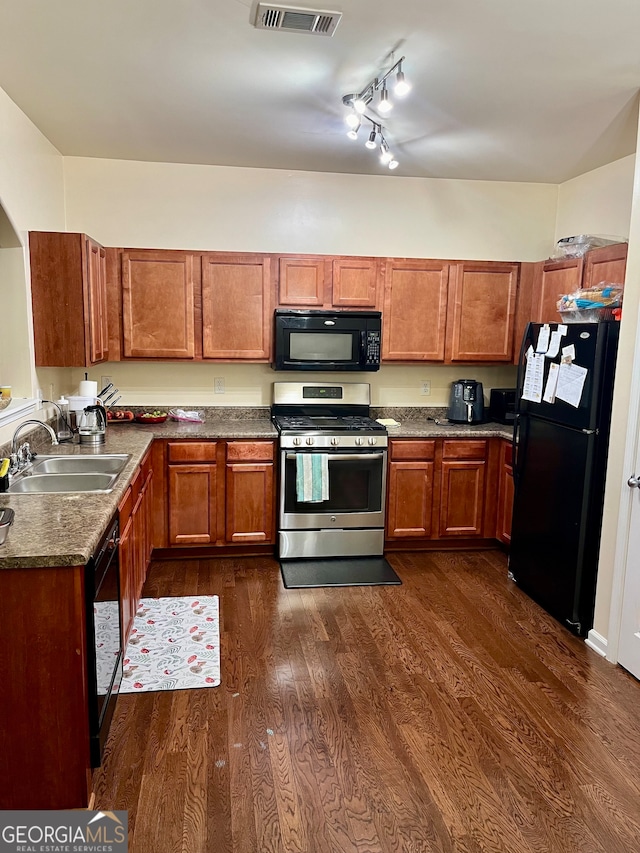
{"x": 312, "y": 477}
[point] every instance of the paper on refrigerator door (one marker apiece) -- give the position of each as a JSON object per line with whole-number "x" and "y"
{"x": 568, "y": 354}
{"x": 571, "y": 379}
{"x": 562, "y": 329}
{"x": 543, "y": 339}
{"x": 533, "y": 378}
{"x": 554, "y": 345}
{"x": 552, "y": 383}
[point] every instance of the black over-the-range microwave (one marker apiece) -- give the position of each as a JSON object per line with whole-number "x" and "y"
{"x": 327, "y": 340}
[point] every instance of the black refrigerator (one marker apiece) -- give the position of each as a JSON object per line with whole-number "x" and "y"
{"x": 560, "y": 461}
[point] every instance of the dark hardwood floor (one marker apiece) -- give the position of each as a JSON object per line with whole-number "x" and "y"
{"x": 447, "y": 714}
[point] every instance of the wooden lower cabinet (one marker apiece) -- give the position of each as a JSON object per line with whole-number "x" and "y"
{"x": 442, "y": 490}
{"x": 505, "y": 493}
{"x": 136, "y": 535}
{"x": 218, "y": 493}
{"x": 462, "y": 489}
{"x": 411, "y": 489}
{"x": 192, "y": 483}
{"x": 250, "y": 494}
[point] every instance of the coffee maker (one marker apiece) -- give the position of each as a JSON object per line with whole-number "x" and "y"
{"x": 466, "y": 403}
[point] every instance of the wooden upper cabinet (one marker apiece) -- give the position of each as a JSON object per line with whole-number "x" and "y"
{"x": 97, "y": 295}
{"x": 69, "y": 299}
{"x": 415, "y": 309}
{"x": 237, "y": 307}
{"x": 303, "y": 282}
{"x": 482, "y": 304}
{"x": 327, "y": 281}
{"x": 551, "y": 280}
{"x": 355, "y": 283}
{"x": 608, "y": 263}
{"x": 158, "y": 304}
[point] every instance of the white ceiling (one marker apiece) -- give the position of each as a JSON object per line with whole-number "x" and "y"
{"x": 502, "y": 89}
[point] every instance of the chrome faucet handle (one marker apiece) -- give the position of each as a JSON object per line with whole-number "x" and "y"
{"x": 24, "y": 454}
{"x": 14, "y": 464}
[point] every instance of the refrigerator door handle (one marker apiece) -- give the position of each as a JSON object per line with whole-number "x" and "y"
{"x": 514, "y": 447}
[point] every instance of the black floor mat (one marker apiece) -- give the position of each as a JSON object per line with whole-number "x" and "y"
{"x": 358, "y": 571}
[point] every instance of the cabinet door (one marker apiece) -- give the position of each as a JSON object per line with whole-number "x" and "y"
{"x": 482, "y": 308}
{"x": 96, "y": 292}
{"x": 139, "y": 535}
{"x": 236, "y": 307}
{"x": 68, "y": 299}
{"x": 192, "y": 504}
{"x": 410, "y": 499}
{"x": 462, "y": 490}
{"x": 249, "y": 502}
{"x": 505, "y": 493}
{"x": 127, "y": 592}
{"x": 608, "y": 263}
{"x": 303, "y": 281}
{"x": 355, "y": 283}
{"x": 552, "y": 279}
{"x": 415, "y": 310}
{"x": 158, "y": 304}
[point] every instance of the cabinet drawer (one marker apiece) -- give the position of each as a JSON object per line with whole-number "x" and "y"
{"x": 464, "y": 449}
{"x": 413, "y": 450}
{"x": 192, "y": 451}
{"x": 250, "y": 451}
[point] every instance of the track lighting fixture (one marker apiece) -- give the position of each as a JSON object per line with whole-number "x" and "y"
{"x": 385, "y": 105}
{"x": 358, "y": 102}
{"x": 402, "y": 87}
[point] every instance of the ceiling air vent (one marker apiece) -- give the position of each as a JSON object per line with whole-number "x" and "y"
{"x": 318, "y": 22}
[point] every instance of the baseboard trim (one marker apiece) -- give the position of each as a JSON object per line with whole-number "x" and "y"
{"x": 597, "y": 642}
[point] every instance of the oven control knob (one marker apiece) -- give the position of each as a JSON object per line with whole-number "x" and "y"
{"x": 359, "y": 441}
{"x": 335, "y": 440}
{"x": 310, "y": 440}
{"x": 372, "y": 439}
{"x": 297, "y": 441}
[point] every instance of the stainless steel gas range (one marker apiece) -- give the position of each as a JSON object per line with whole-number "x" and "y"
{"x": 329, "y": 424}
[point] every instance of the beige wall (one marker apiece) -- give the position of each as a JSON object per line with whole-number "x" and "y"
{"x": 207, "y": 207}
{"x": 31, "y": 197}
{"x": 123, "y": 203}
{"x": 597, "y": 202}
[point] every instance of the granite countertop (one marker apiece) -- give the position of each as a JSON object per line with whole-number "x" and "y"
{"x": 64, "y": 529}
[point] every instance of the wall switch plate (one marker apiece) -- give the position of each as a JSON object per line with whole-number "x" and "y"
{"x": 425, "y": 387}
{"x": 218, "y": 385}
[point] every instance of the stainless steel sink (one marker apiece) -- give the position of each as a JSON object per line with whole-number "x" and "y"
{"x": 58, "y": 474}
{"x": 40, "y": 483}
{"x": 79, "y": 464}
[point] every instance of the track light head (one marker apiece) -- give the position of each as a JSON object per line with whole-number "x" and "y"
{"x": 393, "y": 164}
{"x": 402, "y": 87}
{"x": 385, "y": 155}
{"x": 385, "y": 104}
{"x": 371, "y": 141}
{"x": 353, "y": 119}
{"x": 353, "y": 133}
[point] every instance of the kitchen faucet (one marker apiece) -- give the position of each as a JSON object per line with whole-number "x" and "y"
{"x": 21, "y": 456}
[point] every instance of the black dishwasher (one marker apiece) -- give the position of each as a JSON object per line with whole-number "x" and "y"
{"x": 104, "y": 643}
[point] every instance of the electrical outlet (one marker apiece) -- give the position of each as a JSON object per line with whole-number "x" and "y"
{"x": 218, "y": 385}
{"x": 104, "y": 381}
{"x": 425, "y": 387}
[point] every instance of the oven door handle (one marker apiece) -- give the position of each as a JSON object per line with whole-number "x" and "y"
{"x": 343, "y": 457}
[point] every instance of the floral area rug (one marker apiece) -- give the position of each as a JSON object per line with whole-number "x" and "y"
{"x": 174, "y": 645}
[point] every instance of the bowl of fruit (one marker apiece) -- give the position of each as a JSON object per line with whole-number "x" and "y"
{"x": 155, "y": 417}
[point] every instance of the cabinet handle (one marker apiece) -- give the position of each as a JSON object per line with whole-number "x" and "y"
{"x": 633, "y": 482}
